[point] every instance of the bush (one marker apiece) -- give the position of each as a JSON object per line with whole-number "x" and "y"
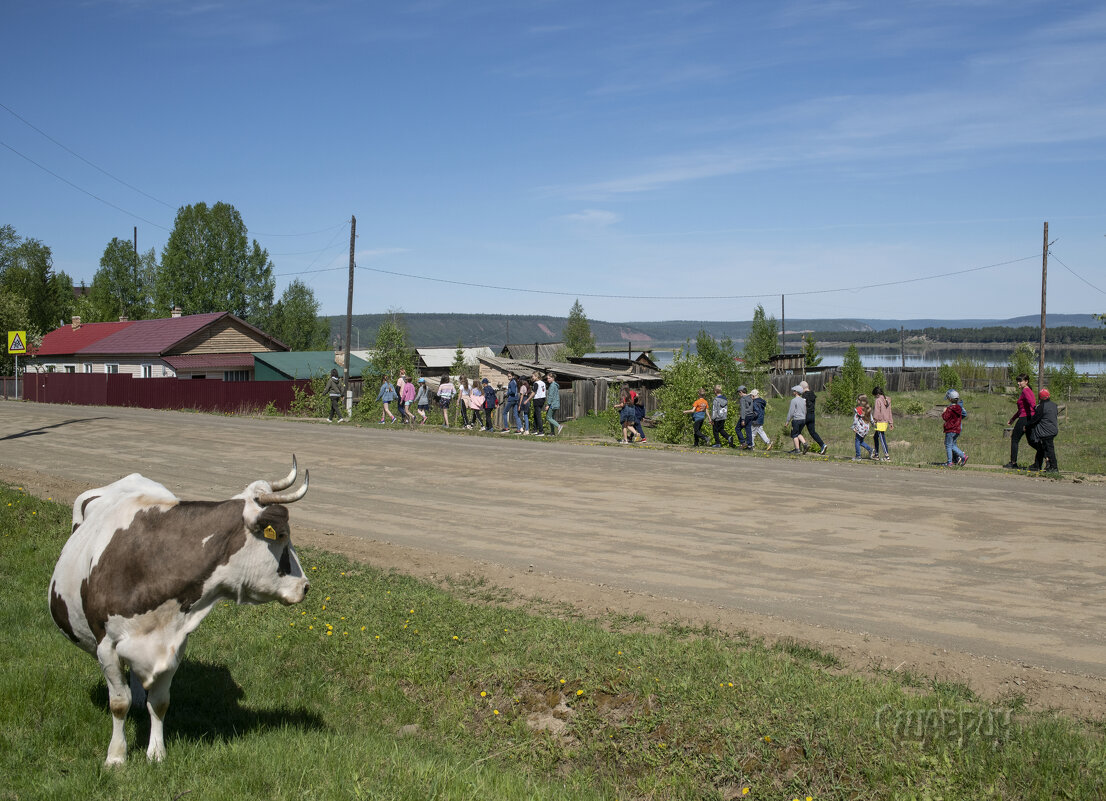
{"x": 1061, "y": 382}
{"x": 913, "y": 407}
{"x": 969, "y": 369}
{"x": 1023, "y": 360}
{"x": 311, "y": 401}
{"x": 948, "y": 378}
{"x": 878, "y": 380}
{"x": 682, "y": 381}
{"x": 847, "y": 384}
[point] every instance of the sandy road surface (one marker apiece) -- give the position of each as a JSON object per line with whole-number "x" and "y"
{"x": 995, "y": 580}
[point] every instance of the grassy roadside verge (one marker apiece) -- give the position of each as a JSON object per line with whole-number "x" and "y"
{"x": 380, "y": 686}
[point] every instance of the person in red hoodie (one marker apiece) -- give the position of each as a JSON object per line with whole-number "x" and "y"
{"x": 953, "y": 415}
{"x": 1027, "y": 404}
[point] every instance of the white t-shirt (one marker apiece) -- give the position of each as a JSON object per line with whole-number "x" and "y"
{"x": 539, "y": 389}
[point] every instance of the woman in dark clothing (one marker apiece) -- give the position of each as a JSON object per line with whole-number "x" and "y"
{"x": 810, "y": 398}
{"x": 1044, "y": 425}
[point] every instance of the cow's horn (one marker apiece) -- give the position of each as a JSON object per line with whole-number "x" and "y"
{"x": 288, "y": 480}
{"x": 291, "y": 496}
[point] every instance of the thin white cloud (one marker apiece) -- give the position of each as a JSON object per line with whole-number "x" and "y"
{"x": 592, "y": 218}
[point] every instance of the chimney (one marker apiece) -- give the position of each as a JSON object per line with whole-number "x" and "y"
{"x": 123, "y": 318}
{"x": 176, "y": 312}
{"x": 76, "y": 322}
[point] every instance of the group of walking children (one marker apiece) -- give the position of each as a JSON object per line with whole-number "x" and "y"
{"x": 750, "y": 423}
{"x": 631, "y": 411}
{"x": 877, "y": 418}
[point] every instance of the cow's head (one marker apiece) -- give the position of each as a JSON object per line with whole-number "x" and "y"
{"x": 272, "y": 569}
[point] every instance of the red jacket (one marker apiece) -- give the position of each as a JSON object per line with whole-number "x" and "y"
{"x": 952, "y": 418}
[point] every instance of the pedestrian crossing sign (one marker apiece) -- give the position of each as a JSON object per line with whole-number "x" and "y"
{"x": 17, "y": 342}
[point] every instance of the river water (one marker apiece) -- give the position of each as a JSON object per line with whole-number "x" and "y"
{"x": 874, "y": 357}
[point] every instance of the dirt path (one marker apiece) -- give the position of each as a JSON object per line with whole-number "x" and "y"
{"x": 993, "y": 580}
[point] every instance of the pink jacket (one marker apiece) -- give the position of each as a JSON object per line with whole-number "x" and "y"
{"x": 881, "y": 410}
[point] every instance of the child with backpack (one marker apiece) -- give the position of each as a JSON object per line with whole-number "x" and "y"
{"x": 862, "y": 424}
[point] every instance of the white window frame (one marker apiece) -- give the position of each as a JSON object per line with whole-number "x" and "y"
{"x": 111, "y": 368}
{"x": 89, "y": 367}
{"x": 69, "y": 368}
{"x": 147, "y": 371}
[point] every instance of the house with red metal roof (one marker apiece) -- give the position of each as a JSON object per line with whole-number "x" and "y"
{"x": 216, "y": 345}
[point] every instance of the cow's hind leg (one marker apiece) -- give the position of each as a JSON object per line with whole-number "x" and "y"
{"x": 157, "y": 702}
{"x": 119, "y": 700}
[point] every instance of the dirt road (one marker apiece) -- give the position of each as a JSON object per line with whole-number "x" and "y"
{"x": 991, "y": 579}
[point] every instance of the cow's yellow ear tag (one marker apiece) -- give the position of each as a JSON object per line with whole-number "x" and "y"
{"x": 270, "y": 533}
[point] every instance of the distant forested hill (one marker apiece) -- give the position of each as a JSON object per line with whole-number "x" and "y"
{"x": 495, "y": 330}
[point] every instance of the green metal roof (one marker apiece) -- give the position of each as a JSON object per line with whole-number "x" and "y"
{"x": 280, "y": 366}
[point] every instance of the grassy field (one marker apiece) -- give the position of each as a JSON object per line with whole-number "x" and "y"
{"x": 382, "y": 687}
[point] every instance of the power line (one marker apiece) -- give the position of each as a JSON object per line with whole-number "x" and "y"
{"x": 1077, "y": 275}
{"x": 85, "y": 191}
{"x": 697, "y": 297}
{"x": 86, "y": 161}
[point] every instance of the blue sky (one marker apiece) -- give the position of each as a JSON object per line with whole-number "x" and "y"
{"x": 637, "y": 148}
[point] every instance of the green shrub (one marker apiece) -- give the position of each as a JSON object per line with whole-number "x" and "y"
{"x": 311, "y": 401}
{"x": 1061, "y": 382}
{"x": 682, "y": 381}
{"x": 847, "y": 384}
{"x": 878, "y": 380}
{"x": 913, "y": 407}
{"x": 1023, "y": 360}
{"x": 969, "y": 369}
{"x": 947, "y": 377}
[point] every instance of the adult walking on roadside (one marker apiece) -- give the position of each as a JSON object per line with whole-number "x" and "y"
{"x": 796, "y": 416}
{"x": 524, "y": 397}
{"x": 539, "y": 401}
{"x": 1045, "y": 425}
{"x": 334, "y": 391}
{"x": 491, "y": 400}
{"x": 386, "y": 395}
{"x": 552, "y": 403}
{"x": 811, "y": 398}
{"x": 882, "y": 422}
{"x": 745, "y": 418}
{"x": 1027, "y": 404}
{"x": 510, "y": 406}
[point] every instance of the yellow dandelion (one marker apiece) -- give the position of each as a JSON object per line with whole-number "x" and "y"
{"x": 767, "y": 739}
{"x": 579, "y": 692}
{"x": 731, "y": 684}
{"x": 327, "y": 598}
{"x": 345, "y": 632}
{"x": 293, "y": 625}
{"x": 303, "y": 613}
{"x": 362, "y": 628}
{"x": 310, "y": 628}
{"x": 495, "y": 711}
{"x": 744, "y": 790}
{"x": 455, "y": 636}
{"x": 341, "y": 618}
{"x": 314, "y": 568}
{"x": 378, "y": 636}
{"x": 324, "y": 606}
{"x": 483, "y": 694}
{"x": 562, "y": 681}
{"x": 412, "y": 611}
{"x": 329, "y": 633}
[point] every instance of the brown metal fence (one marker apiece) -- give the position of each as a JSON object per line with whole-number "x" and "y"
{"x": 159, "y": 393}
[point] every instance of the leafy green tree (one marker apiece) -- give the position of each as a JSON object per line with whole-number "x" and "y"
{"x": 948, "y": 377}
{"x": 878, "y": 380}
{"x": 577, "y": 332}
{"x": 761, "y": 343}
{"x": 122, "y": 287}
{"x": 391, "y": 353}
{"x": 460, "y": 367}
{"x": 1023, "y": 360}
{"x": 812, "y": 356}
{"x": 208, "y": 264}
{"x": 848, "y": 384}
{"x": 295, "y": 319}
{"x": 683, "y": 379}
{"x": 1061, "y": 382}
{"x": 15, "y": 315}
{"x": 27, "y": 271}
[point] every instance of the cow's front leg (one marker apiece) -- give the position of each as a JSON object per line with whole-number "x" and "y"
{"x": 119, "y": 700}
{"x": 157, "y": 702}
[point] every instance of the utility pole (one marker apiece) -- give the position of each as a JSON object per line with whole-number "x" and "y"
{"x": 1044, "y": 283}
{"x": 135, "y": 264}
{"x": 783, "y": 326}
{"x": 349, "y": 316}
{"x": 902, "y": 345}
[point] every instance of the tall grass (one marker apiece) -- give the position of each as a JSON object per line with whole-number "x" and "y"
{"x": 383, "y": 687}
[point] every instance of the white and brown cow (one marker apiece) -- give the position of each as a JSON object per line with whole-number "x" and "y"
{"x": 142, "y": 568}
